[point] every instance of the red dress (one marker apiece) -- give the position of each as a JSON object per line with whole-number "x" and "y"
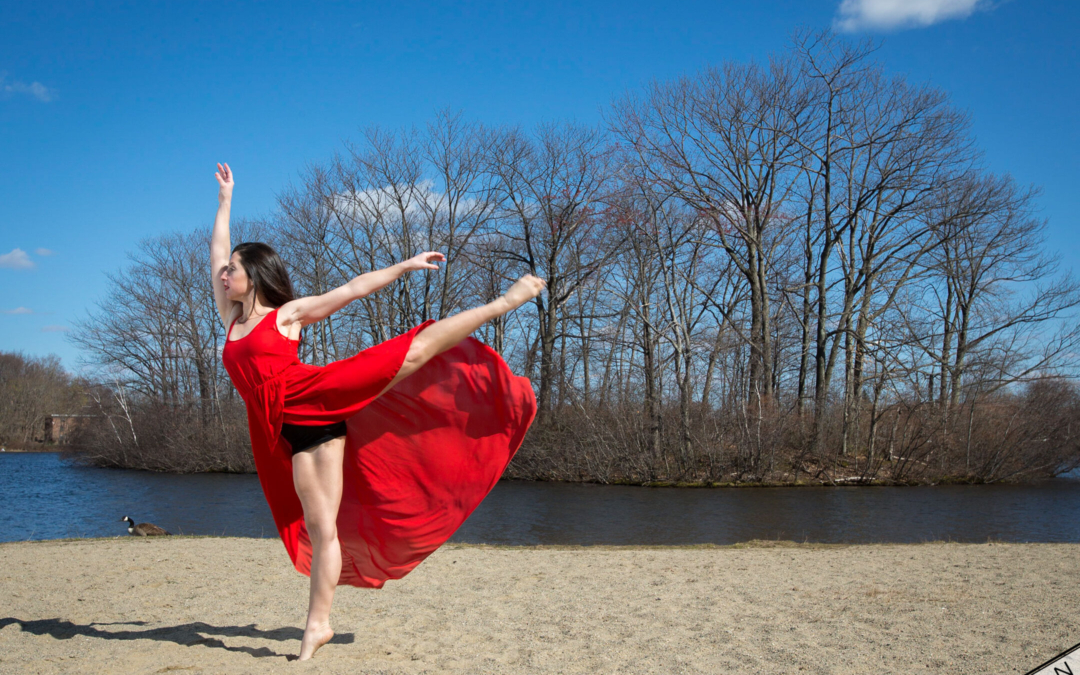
{"x": 418, "y": 459}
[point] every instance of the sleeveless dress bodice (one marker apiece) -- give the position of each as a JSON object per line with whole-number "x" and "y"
{"x": 418, "y": 459}
{"x": 261, "y": 355}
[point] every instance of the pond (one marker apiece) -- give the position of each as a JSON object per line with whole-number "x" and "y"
{"x": 47, "y": 498}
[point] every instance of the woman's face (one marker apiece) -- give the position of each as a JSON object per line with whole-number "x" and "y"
{"x": 236, "y": 281}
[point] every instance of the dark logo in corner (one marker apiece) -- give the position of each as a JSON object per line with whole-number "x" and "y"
{"x": 1065, "y": 663}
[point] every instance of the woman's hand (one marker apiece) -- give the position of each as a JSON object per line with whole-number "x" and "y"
{"x": 224, "y": 177}
{"x": 423, "y": 261}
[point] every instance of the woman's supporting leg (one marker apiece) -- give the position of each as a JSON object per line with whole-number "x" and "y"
{"x": 317, "y": 476}
{"x": 443, "y": 335}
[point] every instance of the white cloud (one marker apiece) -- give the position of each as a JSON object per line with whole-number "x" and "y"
{"x": 381, "y": 204}
{"x": 43, "y": 251}
{"x": 857, "y": 15}
{"x": 54, "y": 329}
{"x": 35, "y": 89}
{"x": 16, "y": 260}
{"x": 19, "y": 310}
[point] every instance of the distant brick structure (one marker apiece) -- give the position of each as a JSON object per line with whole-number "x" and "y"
{"x": 59, "y": 427}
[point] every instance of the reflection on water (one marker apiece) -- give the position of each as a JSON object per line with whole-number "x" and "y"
{"x": 45, "y": 498}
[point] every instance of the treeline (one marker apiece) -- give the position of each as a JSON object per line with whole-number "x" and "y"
{"x": 781, "y": 272}
{"x": 32, "y": 390}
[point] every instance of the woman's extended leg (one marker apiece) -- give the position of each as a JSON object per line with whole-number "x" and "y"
{"x": 443, "y": 335}
{"x": 317, "y": 476}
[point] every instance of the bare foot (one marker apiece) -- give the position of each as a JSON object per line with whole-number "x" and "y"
{"x": 524, "y": 289}
{"x": 313, "y": 639}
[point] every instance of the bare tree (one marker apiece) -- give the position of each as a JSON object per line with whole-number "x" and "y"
{"x": 724, "y": 143}
{"x": 31, "y": 390}
{"x": 552, "y": 191}
{"x": 1000, "y": 294}
{"x": 875, "y": 150}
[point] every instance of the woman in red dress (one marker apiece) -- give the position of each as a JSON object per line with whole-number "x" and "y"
{"x": 369, "y": 463}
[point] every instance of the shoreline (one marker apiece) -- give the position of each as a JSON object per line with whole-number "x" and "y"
{"x": 848, "y": 481}
{"x": 234, "y": 605}
{"x": 742, "y": 545}
{"x": 21, "y": 451}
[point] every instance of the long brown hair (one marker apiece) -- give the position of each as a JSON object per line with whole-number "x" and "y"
{"x": 267, "y": 272}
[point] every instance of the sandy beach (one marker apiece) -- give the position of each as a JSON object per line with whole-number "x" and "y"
{"x": 231, "y": 605}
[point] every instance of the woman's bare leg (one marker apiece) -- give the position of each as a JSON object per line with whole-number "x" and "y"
{"x": 317, "y": 476}
{"x": 443, "y": 335}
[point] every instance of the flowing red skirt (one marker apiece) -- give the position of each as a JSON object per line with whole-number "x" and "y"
{"x": 418, "y": 459}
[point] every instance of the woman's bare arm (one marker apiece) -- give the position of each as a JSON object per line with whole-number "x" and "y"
{"x": 305, "y": 311}
{"x": 220, "y": 245}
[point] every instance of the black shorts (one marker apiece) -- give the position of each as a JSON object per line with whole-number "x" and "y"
{"x": 304, "y": 438}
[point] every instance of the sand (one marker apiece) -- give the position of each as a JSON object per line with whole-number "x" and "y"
{"x": 232, "y": 605}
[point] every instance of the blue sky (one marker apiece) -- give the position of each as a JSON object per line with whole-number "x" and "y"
{"x": 112, "y": 115}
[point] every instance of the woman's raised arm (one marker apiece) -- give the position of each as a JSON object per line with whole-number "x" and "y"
{"x": 220, "y": 245}
{"x": 305, "y": 311}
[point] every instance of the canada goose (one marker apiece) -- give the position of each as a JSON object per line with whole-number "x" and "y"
{"x": 143, "y": 529}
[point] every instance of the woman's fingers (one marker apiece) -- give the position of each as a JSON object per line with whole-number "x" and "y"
{"x": 224, "y": 173}
{"x": 426, "y": 260}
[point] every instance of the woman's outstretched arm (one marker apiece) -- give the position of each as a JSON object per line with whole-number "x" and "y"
{"x": 220, "y": 245}
{"x": 304, "y": 311}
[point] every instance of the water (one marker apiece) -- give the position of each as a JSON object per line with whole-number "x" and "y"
{"x": 45, "y": 498}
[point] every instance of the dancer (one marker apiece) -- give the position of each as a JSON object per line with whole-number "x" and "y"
{"x": 369, "y": 463}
